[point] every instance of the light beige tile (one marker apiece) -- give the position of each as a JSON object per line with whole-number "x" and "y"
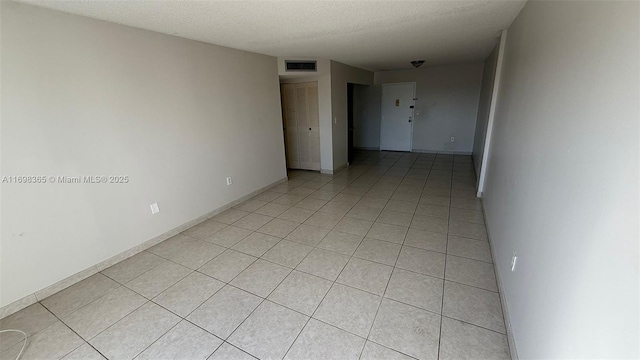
{"x": 204, "y": 229}
{"x": 307, "y": 235}
{"x": 353, "y": 226}
{"x": 133, "y": 267}
{"x": 158, "y": 279}
{"x": 253, "y": 221}
{"x": 229, "y": 352}
{"x": 272, "y": 209}
{"x": 230, "y": 216}
{"x": 267, "y": 196}
{"x": 269, "y": 331}
{"x": 287, "y": 253}
{"x": 53, "y": 342}
{"x": 256, "y": 244}
{"x": 227, "y": 265}
{"x": 378, "y": 251}
{"x": 301, "y": 292}
{"x": 416, "y": 289}
{"x": 84, "y": 352}
{"x": 387, "y": 232}
{"x": 335, "y": 208}
{"x": 435, "y": 200}
{"x": 278, "y": 228}
{"x": 427, "y": 240}
{"x": 251, "y": 205}
{"x": 321, "y": 341}
{"x": 261, "y": 278}
{"x": 80, "y": 294}
{"x": 288, "y": 199}
{"x": 464, "y": 215}
{"x": 469, "y": 204}
{"x": 433, "y": 210}
{"x": 171, "y": 246}
{"x": 323, "y": 220}
{"x": 395, "y": 218}
{"x": 365, "y": 275}
{"x": 421, "y": 261}
{"x": 323, "y": 263}
{"x": 224, "y": 311}
{"x": 134, "y": 333}
{"x": 92, "y": 319}
{"x": 430, "y": 223}
{"x": 465, "y": 341}
{"x": 407, "y": 329}
{"x": 364, "y": 213}
{"x": 311, "y": 204}
{"x": 340, "y": 242}
{"x": 184, "y": 341}
{"x": 187, "y": 294}
{"x": 349, "y": 309}
{"x": 469, "y": 248}
{"x": 471, "y": 272}
{"x": 296, "y": 214}
{"x": 376, "y": 199}
{"x": 31, "y": 320}
{"x": 472, "y": 305}
{"x": 194, "y": 254}
{"x": 432, "y": 192}
{"x": 228, "y": 236}
{"x": 468, "y": 230}
{"x": 373, "y": 351}
{"x": 408, "y": 207}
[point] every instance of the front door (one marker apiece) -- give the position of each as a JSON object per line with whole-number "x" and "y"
{"x": 396, "y": 128}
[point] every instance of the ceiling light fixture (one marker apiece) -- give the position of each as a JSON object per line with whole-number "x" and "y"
{"x": 417, "y": 63}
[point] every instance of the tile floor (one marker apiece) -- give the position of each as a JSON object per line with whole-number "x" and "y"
{"x": 388, "y": 259}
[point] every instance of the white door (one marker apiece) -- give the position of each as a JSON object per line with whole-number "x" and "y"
{"x": 396, "y": 128}
{"x": 300, "y": 118}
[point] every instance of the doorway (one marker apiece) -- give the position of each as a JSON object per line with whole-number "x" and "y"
{"x": 396, "y": 128}
{"x": 301, "y": 125}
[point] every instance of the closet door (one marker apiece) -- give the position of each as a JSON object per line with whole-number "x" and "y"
{"x": 314, "y": 126}
{"x": 301, "y": 124}
{"x": 288, "y": 93}
{"x": 302, "y": 115}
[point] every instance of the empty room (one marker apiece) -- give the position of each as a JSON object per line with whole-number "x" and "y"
{"x": 301, "y": 180}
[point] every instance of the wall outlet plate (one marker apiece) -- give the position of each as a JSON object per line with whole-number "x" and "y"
{"x": 229, "y": 181}
{"x": 154, "y": 208}
{"x": 514, "y": 259}
{"x": 453, "y": 139}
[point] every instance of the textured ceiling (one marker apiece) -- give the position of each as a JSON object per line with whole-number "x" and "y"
{"x": 378, "y": 35}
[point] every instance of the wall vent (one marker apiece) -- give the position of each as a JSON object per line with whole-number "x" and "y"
{"x": 298, "y": 65}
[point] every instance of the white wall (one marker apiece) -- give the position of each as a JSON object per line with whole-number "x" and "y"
{"x": 562, "y": 180}
{"x": 342, "y": 74}
{"x": 85, "y": 97}
{"x": 323, "y": 77}
{"x": 486, "y": 90}
{"x": 447, "y": 106}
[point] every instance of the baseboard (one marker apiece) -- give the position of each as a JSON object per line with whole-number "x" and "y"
{"x": 75, "y": 278}
{"x": 505, "y": 310}
{"x": 444, "y": 152}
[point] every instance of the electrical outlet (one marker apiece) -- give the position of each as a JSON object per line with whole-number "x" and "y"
{"x": 154, "y": 208}
{"x": 453, "y": 139}
{"x": 514, "y": 259}
{"x": 229, "y": 181}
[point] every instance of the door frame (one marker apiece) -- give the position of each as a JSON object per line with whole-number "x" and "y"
{"x": 413, "y": 112}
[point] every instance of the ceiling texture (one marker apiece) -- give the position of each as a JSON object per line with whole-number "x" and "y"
{"x": 373, "y": 35}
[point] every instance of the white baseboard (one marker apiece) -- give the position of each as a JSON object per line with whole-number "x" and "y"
{"x": 505, "y": 310}
{"x": 75, "y": 278}
{"x": 444, "y": 152}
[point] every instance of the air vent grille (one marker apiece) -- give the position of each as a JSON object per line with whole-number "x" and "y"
{"x": 296, "y": 65}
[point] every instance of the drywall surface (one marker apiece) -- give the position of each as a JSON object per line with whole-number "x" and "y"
{"x": 323, "y": 77}
{"x": 562, "y": 179}
{"x": 484, "y": 105}
{"x": 446, "y": 106}
{"x": 366, "y": 108}
{"x": 85, "y": 97}
{"x": 342, "y": 74}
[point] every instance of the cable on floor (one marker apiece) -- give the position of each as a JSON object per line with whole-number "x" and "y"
{"x": 25, "y": 340}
